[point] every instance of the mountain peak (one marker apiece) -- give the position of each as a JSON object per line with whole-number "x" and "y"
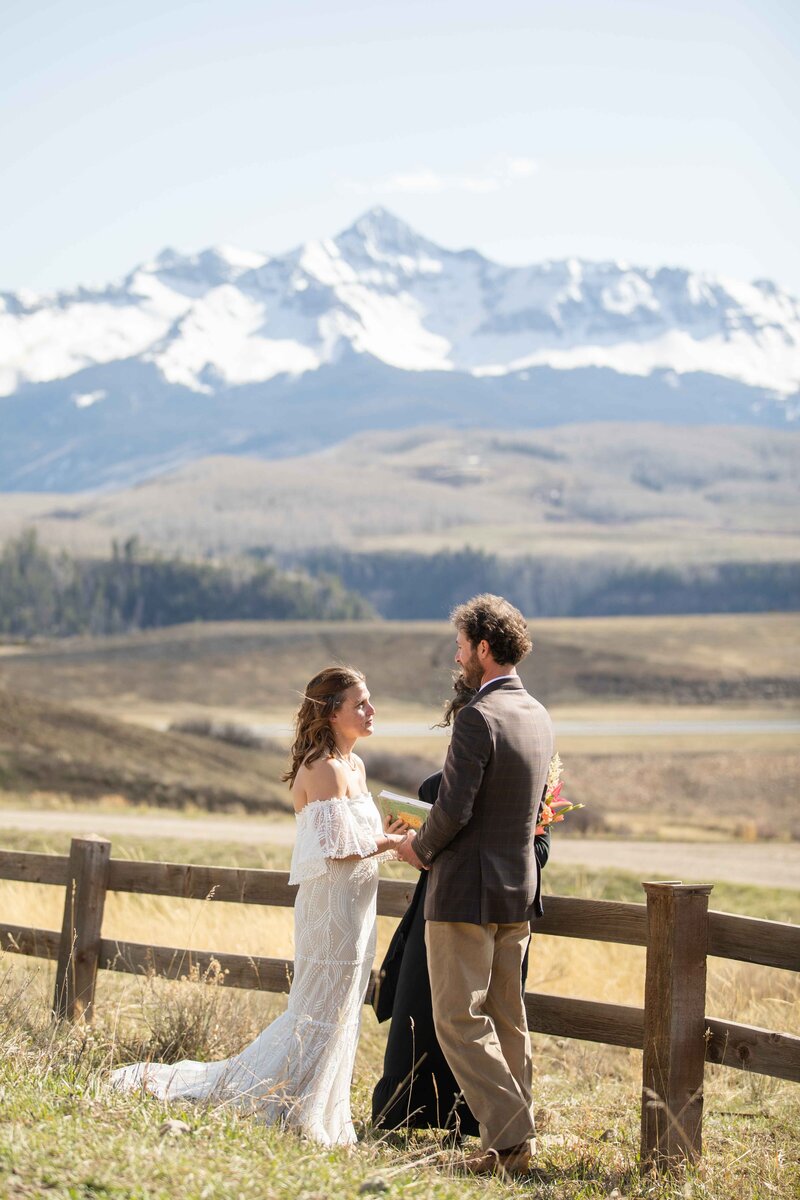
{"x": 380, "y": 220}
{"x": 207, "y": 269}
{"x": 377, "y": 229}
{"x": 168, "y": 258}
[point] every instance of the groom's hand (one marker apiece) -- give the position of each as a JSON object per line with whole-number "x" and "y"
{"x": 406, "y": 851}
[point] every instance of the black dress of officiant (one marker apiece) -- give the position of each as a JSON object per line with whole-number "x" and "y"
{"x": 418, "y": 1090}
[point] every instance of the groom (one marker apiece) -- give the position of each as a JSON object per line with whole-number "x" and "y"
{"x": 484, "y": 882}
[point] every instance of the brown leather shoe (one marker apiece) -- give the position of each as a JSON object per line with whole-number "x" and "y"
{"x": 514, "y": 1160}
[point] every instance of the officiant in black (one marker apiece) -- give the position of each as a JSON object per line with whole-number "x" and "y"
{"x": 417, "y": 1089}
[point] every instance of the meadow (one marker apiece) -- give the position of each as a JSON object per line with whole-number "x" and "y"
{"x": 93, "y": 723}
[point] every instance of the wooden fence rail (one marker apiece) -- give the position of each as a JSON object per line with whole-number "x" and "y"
{"x": 672, "y": 1030}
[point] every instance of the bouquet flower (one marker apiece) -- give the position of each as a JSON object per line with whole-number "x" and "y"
{"x": 555, "y": 806}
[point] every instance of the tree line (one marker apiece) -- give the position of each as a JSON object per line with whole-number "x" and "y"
{"x": 58, "y": 595}
{"x": 427, "y": 586}
{"x": 55, "y": 595}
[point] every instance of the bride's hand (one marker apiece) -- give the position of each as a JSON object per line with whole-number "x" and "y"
{"x": 394, "y": 825}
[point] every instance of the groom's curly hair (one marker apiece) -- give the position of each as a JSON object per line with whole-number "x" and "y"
{"x": 492, "y": 619}
{"x": 313, "y": 735}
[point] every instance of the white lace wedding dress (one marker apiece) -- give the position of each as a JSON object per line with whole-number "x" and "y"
{"x": 299, "y": 1070}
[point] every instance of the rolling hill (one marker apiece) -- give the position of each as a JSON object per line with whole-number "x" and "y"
{"x": 648, "y": 494}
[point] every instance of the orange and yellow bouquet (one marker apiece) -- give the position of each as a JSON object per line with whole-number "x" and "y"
{"x": 555, "y": 806}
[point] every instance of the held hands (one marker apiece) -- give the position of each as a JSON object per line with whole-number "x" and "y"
{"x": 406, "y": 852}
{"x": 394, "y": 833}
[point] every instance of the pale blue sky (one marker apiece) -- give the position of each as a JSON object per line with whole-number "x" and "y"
{"x": 658, "y": 131}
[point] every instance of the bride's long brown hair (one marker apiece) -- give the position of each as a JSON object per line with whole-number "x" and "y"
{"x": 313, "y": 735}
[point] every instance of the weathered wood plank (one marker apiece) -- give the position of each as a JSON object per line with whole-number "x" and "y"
{"x": 38, "y": 943}
{"x": 28, "y": 867}
{"x": 234, "y": 885}
{"x": 394, "y": 896}
{"x": 194, "y": 881}
{"x": 170, "y": 962}
{"x": 747, "y": 939}
{"x": 587, "y": 1020}
{"x": 596, "y": 920}
{"x": 752, "y": 1049}
{"x": 600, "y": 920}
{"x": 84, "y": 903}
{"x": 674, "y": 1022}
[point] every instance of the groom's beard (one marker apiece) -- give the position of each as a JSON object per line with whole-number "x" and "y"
{"x": 472, "y": 672}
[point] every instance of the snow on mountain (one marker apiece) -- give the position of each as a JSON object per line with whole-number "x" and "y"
{"x": 45, "y": 337}
{"x": 228, "y": 317}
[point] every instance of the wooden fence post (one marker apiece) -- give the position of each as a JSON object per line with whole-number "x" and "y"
{"x": 674, "y": 1023}
{"x": 79, "y": 948}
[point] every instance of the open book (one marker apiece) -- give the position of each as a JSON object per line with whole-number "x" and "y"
{"x": 413, "y": 812}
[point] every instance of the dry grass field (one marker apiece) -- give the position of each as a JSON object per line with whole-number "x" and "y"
{"x": 62, "y": 1134}
{"x": 85, "y": 722}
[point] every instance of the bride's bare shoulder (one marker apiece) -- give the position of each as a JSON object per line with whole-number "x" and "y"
{"x": 323, "y": 779}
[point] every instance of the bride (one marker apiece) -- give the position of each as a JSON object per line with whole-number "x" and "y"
{"x": 298, "y": 1071}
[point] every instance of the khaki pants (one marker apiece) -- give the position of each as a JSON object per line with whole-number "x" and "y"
{"x": 480, "y": 1022}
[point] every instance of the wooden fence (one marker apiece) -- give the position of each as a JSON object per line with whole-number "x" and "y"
{"x": 672, "y": 1030}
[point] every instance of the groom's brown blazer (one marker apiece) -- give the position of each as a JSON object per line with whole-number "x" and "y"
{"x": 478, "y": 839}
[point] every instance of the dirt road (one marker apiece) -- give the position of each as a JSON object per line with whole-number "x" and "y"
{"x": 274, "y": 831}
{"x": 763, "y": 864}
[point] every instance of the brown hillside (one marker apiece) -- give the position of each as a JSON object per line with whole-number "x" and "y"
{"x": 265, "y": 665}
{"x": 60, "y": 749}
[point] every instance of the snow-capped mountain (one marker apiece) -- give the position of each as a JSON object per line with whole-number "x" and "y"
{"x": 383, "y": 309}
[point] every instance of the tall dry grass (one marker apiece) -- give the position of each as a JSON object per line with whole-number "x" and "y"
{"x": 64, "y": 1135}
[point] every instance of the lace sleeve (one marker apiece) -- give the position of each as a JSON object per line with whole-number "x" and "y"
{"x": 327, "y": 829}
